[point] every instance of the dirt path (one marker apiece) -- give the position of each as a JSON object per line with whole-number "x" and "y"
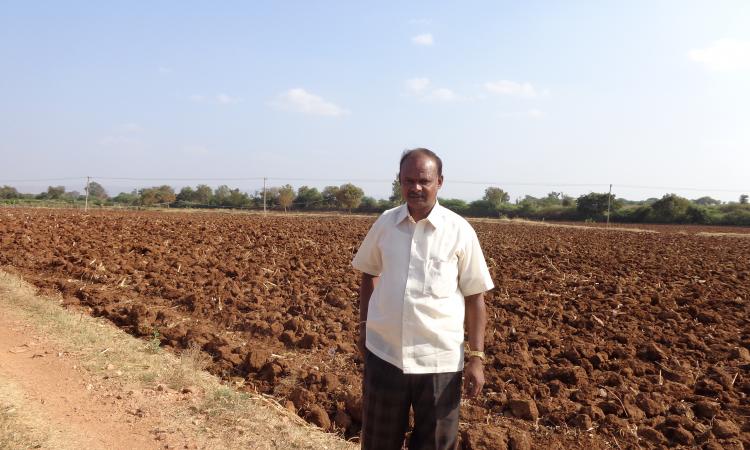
{"x": 76, "y": 411}
{"x": 70, "y": 381}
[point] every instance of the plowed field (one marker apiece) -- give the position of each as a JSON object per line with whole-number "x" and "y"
{"x": 596, "y": 337}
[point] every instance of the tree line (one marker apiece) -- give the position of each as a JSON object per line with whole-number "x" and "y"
{"x": 496, "y": 202}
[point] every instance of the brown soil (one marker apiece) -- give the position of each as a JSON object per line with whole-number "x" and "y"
{"x": 602, "y": 337}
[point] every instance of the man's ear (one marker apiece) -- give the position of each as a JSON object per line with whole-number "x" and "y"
{"x": 440, "y": 181}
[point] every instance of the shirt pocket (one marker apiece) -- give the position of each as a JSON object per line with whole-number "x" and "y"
{"x": 442, "y": 277}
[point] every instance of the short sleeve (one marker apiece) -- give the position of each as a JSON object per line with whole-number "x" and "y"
{"x": 473, "y": 275}
{"x": 368, "y": 258}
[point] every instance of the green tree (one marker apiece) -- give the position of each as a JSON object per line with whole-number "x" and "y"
{"x": 496, "y": 197}
{"x": 349, "y": 196}
{"x": 308, "y": 197}
{"x": 186, "y": 194}
{"x": 671, "y": 208}
{"x": 552, "y": 199}
{"x": 481, "y": 208}
{"x": 272, "y": 196}
{"x": 7, "y": 192}
{"x": 96, "y": 191}
{"x": 567, "y": 200}
{"x": 131, "y": 198}
{"x": 221, "y": 195}
{"x": 368, "y": 204}
{"x": 203, "y": 194}
{"x": 594, "y": 205}
{"x": 286, "y": 196}
{"x": 330, "y": 196}
{"x": 53, "y": 193}
{"x": 237, "y": 199}
{"x": 743, "y": 199}
{"x": 396, "y": 196}
{"x": 706, "y": 201}
{"x": 384, "y": 204}
{"x": 697, "y": 214}
{"x": 454, "y": 204}
{"x": 72, "y": 196}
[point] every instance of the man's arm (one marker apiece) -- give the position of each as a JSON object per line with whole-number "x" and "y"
{"x": 476, "y": 321}
{"x": 365, "y": 292}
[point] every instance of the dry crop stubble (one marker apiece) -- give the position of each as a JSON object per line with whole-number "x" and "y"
{"x": 585, "y": 322}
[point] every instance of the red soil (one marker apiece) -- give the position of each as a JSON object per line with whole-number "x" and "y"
{"x": 640, "y": 338}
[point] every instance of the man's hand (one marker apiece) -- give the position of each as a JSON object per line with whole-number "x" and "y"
{"x": 473, "y": 377}
{"x": 476, "y": 320}
{"x": 365, "y": 291}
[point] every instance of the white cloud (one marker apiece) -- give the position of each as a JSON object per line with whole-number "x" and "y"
{"x": 423, "y": 39}
{"x": 219, "y": 99}
{"x": 724, "y": 55}
{"x": 422, "y": 88}
{"x": 418, "y": 85}
{"x": 299, "y": 100}
{"x": 442, "y": 95}
{"x": 507, "y": 87}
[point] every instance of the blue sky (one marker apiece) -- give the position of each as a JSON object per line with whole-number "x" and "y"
{"x": 529, "y": 96}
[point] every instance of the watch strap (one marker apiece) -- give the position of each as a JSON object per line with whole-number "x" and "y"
{"x": 477, "y": 353}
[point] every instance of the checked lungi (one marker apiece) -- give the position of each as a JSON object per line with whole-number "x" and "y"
{"x": 388, "y": 395}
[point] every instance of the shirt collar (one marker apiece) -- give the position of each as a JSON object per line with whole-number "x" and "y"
{"x": 436, "y": 216}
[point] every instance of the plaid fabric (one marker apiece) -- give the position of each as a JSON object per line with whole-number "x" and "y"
{"x": 388, "y": 395}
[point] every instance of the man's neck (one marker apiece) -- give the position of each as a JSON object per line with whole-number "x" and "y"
{"x": 421, "y": 214}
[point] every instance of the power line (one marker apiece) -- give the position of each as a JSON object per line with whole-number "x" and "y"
{"x": 36, "y": 180}
{"x": 666, "y": 188}
{"x": 177, "y": 179}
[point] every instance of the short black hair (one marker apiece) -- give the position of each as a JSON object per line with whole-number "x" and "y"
{"x": 421, "y": 151}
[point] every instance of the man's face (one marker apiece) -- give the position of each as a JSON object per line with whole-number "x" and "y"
{"x": 420, "y": 182}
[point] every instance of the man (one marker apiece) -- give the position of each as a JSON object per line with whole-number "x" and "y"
{"x": 423, "y": 273}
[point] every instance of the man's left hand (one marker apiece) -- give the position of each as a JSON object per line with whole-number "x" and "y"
{"x": 473, "y": 377}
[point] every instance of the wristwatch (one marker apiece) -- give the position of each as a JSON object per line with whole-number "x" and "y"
{"x": 477, "y": 353}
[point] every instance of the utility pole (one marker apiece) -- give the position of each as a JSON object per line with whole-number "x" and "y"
{"x": 609, "y": 202}
{"x": 264, "y": 195}
{"x": 86, "y": 207}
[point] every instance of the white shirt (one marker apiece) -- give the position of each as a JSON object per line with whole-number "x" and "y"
{"x": 415, "y": 318}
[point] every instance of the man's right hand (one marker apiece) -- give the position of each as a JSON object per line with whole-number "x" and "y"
{"x": 365, "y": 291}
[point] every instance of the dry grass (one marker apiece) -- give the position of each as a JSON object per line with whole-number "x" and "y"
{"x": 561, "y": 225}
{"x": 222, "y": 418}
{"x": 716, "y": 233}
